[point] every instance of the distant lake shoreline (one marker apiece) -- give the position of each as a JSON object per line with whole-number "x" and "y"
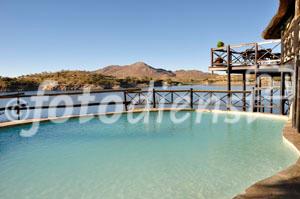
{"x": 177, "y": 87}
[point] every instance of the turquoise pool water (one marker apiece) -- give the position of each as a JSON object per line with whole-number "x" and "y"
{"x": 155, "y": 160}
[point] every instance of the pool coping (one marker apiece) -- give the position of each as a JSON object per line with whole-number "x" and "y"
{"x": 30, "y": 121}
{"x": 286, "y": 183}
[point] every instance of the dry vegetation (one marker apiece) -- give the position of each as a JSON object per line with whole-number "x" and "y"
{"x": 129, "y": 76}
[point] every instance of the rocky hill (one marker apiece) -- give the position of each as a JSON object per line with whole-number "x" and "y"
{"x": 138, "y": 70}
{"x": 129, "y": 76}
{"x": 141, "y": 70}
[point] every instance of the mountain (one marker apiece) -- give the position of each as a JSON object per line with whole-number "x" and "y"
{"x": 138, "y": 70}
{"x": 109, "y": 77}
{"x": 66, "y": 80}
{"x": 141, "y": 70}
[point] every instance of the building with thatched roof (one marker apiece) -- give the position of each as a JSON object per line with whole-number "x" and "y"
{"x": 281, "y": 21}
{"x": 285, "y": 25}
{"x": 274, "y": 59}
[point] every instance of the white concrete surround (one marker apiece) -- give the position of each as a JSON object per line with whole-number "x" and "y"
{"x": 29, "y": 121}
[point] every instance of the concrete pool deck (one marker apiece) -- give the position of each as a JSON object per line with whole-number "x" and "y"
{"x": 283, "y": 185}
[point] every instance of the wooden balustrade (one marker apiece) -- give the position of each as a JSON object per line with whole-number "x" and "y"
{"x": 191, "y": 98}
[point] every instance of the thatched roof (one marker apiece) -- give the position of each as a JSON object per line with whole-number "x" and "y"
{"x": 285, "y": 10}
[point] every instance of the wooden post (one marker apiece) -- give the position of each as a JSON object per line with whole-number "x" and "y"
{"x": 255, "y": 92}
{"x": 253, "y": 100}
{"x": 295, "y": 91}
{"x": 244, "y": 94}
{"x": 259, "y": 95}
{"x": 125, "y": 100}
{"x": 191, "y": 99}
{"x": 154, "y": 100}
{"x": 296, "y": 47}
{"x": 172, "y": 97}
{"x": 261, "y": 101}
{"x": 257, "y": 83}
{"x": 256, "y": 54}
{"x": 210, "y": 99}
{"x": 139, "y": 94}
{"x": 228, "y": 68}
{"x": 282, "y": 93}
{"x": 229, "y": 77}
{"x": 297, "y": 96}
{"x": 212, "y": 57}
{"x": 18, "y": 106}
{"x": 271, "y": 96}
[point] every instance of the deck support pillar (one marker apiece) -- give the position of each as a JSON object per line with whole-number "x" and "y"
{"x": 255, "y": 92}
{"x": 244, "y": 94}
{"x": 297, "y": 96}
{"x": 271, "y": 95}
{"x": 282, "y": 93}
{"x": 260, "y": 109}
{"x": 229, "y": 77}
{"x": 298, "y": 104}
{"x": 125, "y": 101}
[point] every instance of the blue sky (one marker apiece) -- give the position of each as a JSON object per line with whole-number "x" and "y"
{"x": 52, "y": 35}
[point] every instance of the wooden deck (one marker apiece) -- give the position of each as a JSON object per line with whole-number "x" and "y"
{"x": 249, "y": 57}
{"x": 259, "y": 59}
{"x": 272, "y": 69}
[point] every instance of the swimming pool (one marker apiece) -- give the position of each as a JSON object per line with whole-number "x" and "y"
{"x": 142, "y": 160}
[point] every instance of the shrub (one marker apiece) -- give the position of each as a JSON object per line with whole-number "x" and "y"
{"x": 220, "y": 44}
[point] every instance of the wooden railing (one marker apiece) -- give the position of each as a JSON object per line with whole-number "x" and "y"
{"x": 134, "y": 98}
{"x": 249, "y": 54}
{"x": 270, "y": 100}
{"x": 18, "y": 102}
{"x": 207, "y": 99}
